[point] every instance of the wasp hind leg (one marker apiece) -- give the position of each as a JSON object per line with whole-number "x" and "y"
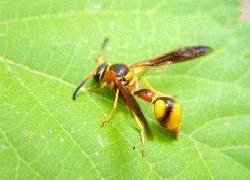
{"x": 107, "y": 119}
{"x": 150, "y": 87}
{"x": 141, "y": 129}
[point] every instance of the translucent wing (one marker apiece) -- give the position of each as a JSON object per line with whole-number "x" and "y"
{"x": 130, "y": 100}
{"x": 179, "y": 55}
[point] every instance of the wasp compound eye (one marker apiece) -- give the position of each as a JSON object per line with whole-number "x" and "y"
{"x": 100, "y": 72}
{"x": 168, "y": 113}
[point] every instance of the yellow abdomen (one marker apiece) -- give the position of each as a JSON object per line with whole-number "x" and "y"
{"x": 168, "y": 112}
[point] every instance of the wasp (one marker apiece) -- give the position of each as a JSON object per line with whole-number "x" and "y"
{"x": 124, "y": 80}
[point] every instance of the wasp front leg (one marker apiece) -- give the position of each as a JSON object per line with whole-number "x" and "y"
{"x": 107, "y": 119}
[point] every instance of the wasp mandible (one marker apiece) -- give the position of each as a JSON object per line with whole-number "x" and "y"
{"x": 124, "y": 80}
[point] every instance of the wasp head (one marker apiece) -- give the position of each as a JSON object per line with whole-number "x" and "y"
{"x": 100, "y": 70}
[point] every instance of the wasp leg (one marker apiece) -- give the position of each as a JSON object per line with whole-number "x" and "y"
{"x": 94, "y": 88}
{"x": 97, "y": 87}
{"x": 100, "y": 57}
{"x": 106, "y": 120}
{"x": 138, "y": 122}
{"x": 150, "y": 87}
{"x": 134, "y": 82}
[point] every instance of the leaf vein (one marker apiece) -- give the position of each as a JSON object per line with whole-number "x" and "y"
{"x": 221, "y": 152}
{"x": 57, "y": 122}
{"x": 18, "y": 155}
{"x": 8, "y": 61}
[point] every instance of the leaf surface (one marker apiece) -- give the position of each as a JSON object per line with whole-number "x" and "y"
{"x": 47, "y": 47}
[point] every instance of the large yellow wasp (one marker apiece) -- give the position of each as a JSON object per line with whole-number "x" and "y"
{"x": 123, "y": 79}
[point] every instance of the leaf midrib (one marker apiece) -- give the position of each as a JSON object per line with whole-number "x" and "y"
{"x": 55, "y": 119}
{"x": 88, "y": 12}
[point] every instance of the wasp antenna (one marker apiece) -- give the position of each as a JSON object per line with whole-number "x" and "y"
{"x": 105, "y": 42}
{"x": 81, "y": 85}
{"x": 77, "y": 89}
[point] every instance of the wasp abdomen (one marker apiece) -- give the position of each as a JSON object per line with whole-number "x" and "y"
{"x": 167, "y": 112}
{"x": 145, "y": 94}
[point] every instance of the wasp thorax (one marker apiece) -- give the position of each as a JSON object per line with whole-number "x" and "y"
{"x": 121, "y": 70}
{"x": 100, "y": 71}
{"x": 167, "y": 111}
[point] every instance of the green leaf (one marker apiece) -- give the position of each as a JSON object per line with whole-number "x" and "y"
{"x": 47, "y": 47}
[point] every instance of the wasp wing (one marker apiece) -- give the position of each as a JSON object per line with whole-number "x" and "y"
{"x": 179, "y": 55}
{"x": 130, "y": 100}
